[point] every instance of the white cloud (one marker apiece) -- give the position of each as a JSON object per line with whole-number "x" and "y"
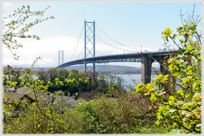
{"x": 48, "y": 50}
{"x": 45, "y": 48}
{"x": 11, "y": 61}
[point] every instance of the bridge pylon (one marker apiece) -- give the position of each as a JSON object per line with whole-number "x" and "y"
{"x": 89, "y": 43}
{"x": 60, "y": 57}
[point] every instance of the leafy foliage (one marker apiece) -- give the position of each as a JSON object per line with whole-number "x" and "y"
{"x": 101, "y": 115}
{"x": 125, "y": 112}
{"x": 14, "y": 26}
{"x": 179, "y": 93}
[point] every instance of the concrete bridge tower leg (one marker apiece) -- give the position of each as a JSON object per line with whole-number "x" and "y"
{"x": 146, "y": 65}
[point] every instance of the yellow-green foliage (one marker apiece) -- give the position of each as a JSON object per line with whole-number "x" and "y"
{"x": 179, "y": 93}
{"x": 104, "y": 115}
{"x": 125, "y": 114}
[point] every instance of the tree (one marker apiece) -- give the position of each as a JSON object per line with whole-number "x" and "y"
{"x": 42, "y": 75}
{"x": 180, "y": 104}
{"x": 14, "y": 27}
{"x": 101, "y": 79}
{"x": 52, "y": 74}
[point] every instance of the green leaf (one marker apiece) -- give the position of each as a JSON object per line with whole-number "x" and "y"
{"x": 172, "y": 98}
{"x": 158, "y": 77}
{"x": 165, "y": 78}
{"x": 148, "y": 86}
{"x": 187, "y": 95}
{"x": 181, "y": 92}
{"x": 171, "y": 102}
{"x": 167, "y": 32}
{"x": 158, "y": 122}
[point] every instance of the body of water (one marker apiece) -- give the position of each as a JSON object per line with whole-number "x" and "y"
{"x": 132, "y": 79}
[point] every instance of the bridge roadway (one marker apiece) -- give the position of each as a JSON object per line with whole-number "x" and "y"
{"x": 143, "y": 57}
{"x": 128, "y": 57}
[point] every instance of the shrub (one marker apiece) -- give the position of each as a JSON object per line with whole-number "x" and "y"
{"x": 179, "y": 93}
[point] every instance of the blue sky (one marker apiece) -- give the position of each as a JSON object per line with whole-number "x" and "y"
{"x": 130, "y": 23}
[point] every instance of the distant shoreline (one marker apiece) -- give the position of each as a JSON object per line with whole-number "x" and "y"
{"x": 101, "y": 69}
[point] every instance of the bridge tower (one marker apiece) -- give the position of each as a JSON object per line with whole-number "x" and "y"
{"x": 60, "y": 57}
{"x": 89, "y": 43}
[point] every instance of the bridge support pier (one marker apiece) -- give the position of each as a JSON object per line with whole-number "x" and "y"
{"x": 85, "y": 66}
{"x": 94, "y": 68}
{"x": 146, "y": 65}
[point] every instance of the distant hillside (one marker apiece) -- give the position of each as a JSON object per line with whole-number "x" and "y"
{"x": 104, "y": 69}
{"x": 111, "y": 69}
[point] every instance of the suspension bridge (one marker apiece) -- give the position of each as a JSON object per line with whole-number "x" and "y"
{"x": 101, "y": 48}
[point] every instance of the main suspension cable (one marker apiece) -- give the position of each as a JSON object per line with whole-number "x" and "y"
{"x": 77, "y": 43}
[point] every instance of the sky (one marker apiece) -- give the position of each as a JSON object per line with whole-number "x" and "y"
{"x": 134, "y": 24}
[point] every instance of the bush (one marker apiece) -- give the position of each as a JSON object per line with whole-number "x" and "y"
{"x": 101, "y": 115}
{"x": 179, "y": 93}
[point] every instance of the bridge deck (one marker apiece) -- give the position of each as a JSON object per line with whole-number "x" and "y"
{"x": 130, "y": 57}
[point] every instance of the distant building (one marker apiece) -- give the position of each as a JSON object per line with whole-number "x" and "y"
{"x": 29, "y": 95}
{"x": 65, "y": 101}
{"x": 43, "y": 99}
{"x": 86, "y": 95}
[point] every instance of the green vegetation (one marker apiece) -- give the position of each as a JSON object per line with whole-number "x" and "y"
{"x": 126, "y": 114}
{"x": 14, "y": 26}
{"x": 174, "y": 108}
{"x": 179, "y": 94}
{"x": 117, "y": 111}
{"x": 73, "y": 81}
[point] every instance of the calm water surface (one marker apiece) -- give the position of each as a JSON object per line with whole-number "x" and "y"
{"x": 128, "y": 79}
